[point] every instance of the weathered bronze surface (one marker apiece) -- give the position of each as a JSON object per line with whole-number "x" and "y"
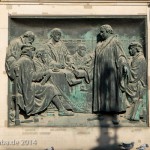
{"x": 77, "y": 71}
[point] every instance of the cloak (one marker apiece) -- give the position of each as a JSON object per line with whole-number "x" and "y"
{"x": 58, "y": 52}
{"x": 33, "y": 97}
{"x": 108, "y": 77}
{"x": 137, "y": 81}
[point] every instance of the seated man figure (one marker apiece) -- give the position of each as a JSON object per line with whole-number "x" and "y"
{"x": 56, "y": 49}
{"x": 35, "y": 95}
{"x": 136, "y": 87}
{"x": 12, "y": 55}
{"x": 41, "y": 65}
{"x": 58, "y": 52}
{"x": 82, "y": 63}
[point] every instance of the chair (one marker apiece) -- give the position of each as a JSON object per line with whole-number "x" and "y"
{"x": 15, "y": 98}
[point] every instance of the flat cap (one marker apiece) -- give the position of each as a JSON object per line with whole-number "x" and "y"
{"x": 137, "y": 44}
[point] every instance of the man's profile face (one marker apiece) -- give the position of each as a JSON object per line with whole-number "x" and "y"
{"x": 56, "y": 36}
{"x": 82, "y": 51}
{"x": 29, "y": 40}
{"x": 44, "y": 57}
{"x": 132, "y": 50}
{"x": 30, "y": 51}
{"x": 104, "y": 34}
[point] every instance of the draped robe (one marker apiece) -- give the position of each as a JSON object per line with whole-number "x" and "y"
{"x": 58, "y": 52}
{"x": 137, "y": 81}
{"x": 33, "y": 96}
{"x": 108, "y": 77}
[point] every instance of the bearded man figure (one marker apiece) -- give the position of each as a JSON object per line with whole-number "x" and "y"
{"x": 110, "y": 71}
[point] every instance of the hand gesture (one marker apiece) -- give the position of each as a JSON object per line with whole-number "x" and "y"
{"x": 125, "y": 70}
{"x": 16, "y": 69}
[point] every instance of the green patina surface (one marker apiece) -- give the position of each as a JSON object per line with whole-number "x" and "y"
{"x": 81, "y": 98}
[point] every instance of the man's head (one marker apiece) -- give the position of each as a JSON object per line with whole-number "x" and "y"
{"x": 105, "y": 31}
{"x": 56, "y": 34}
{"x": 29, "y": 37}
{"x": 81, "y": 50}
{"x": 135, "y": 47}
{"x": 28, "y": 50}
{"x": 42, "y": 54}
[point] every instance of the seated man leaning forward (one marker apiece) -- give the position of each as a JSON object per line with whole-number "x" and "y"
{"x": 42, "y": 64}
{"x": 36, "y": 95}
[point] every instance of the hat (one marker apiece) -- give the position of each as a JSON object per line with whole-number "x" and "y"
{"x": 29, "y": 34}
{"x": 137, "y": 44}
{"x": 28, "y": 47}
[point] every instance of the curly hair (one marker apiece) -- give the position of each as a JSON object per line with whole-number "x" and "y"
{"x": 138, "y": 46}
{"x": 108, "y": 28}
{"x": 29, "y": 34}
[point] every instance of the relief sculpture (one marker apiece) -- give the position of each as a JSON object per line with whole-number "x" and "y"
{"x": 70, "y": 80}
{"x": 110, "y": 73}
{"x": 136, "y": 87}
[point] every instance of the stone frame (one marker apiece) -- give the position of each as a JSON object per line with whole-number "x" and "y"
{"x": 142, "y": 9}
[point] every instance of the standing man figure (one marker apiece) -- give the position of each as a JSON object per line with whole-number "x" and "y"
{"x": 137, "y": 81}
{"x": 110, "y": 70}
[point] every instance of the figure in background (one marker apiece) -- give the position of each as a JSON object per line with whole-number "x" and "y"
{"x": 14, "y": 51}
{"x": 35, "y": 92}
{"x": 136, "y": 88}
{"x": 41, "y": 65}
{"x": 12, "y": 55}
{"x": 41, "y": 60}
{"x": 58, "y": 52}
{"x": 57, "y": 49}
{"x": 81, "y": 63}
{"x": 110, "y": 70}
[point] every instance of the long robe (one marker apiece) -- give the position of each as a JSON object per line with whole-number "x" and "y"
{"x": 41, "y": 67}
{"x": 33, "y": 97}
{"x": 136, "y": 88}
{"x": 108, "y": 76}
{"x": 138, "y": 72}
{"x": 58, "y": 52}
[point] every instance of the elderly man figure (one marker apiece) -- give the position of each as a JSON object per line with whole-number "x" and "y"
{"x": 13, "y": 54}
{"x": 35, "y": 95}
{"x": 137, "y": 80}
{"x": 110, "y": 69}
{"x": 14, "y": 50}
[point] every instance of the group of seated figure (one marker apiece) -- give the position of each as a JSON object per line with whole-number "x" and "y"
{"x": 32, "y": 68}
